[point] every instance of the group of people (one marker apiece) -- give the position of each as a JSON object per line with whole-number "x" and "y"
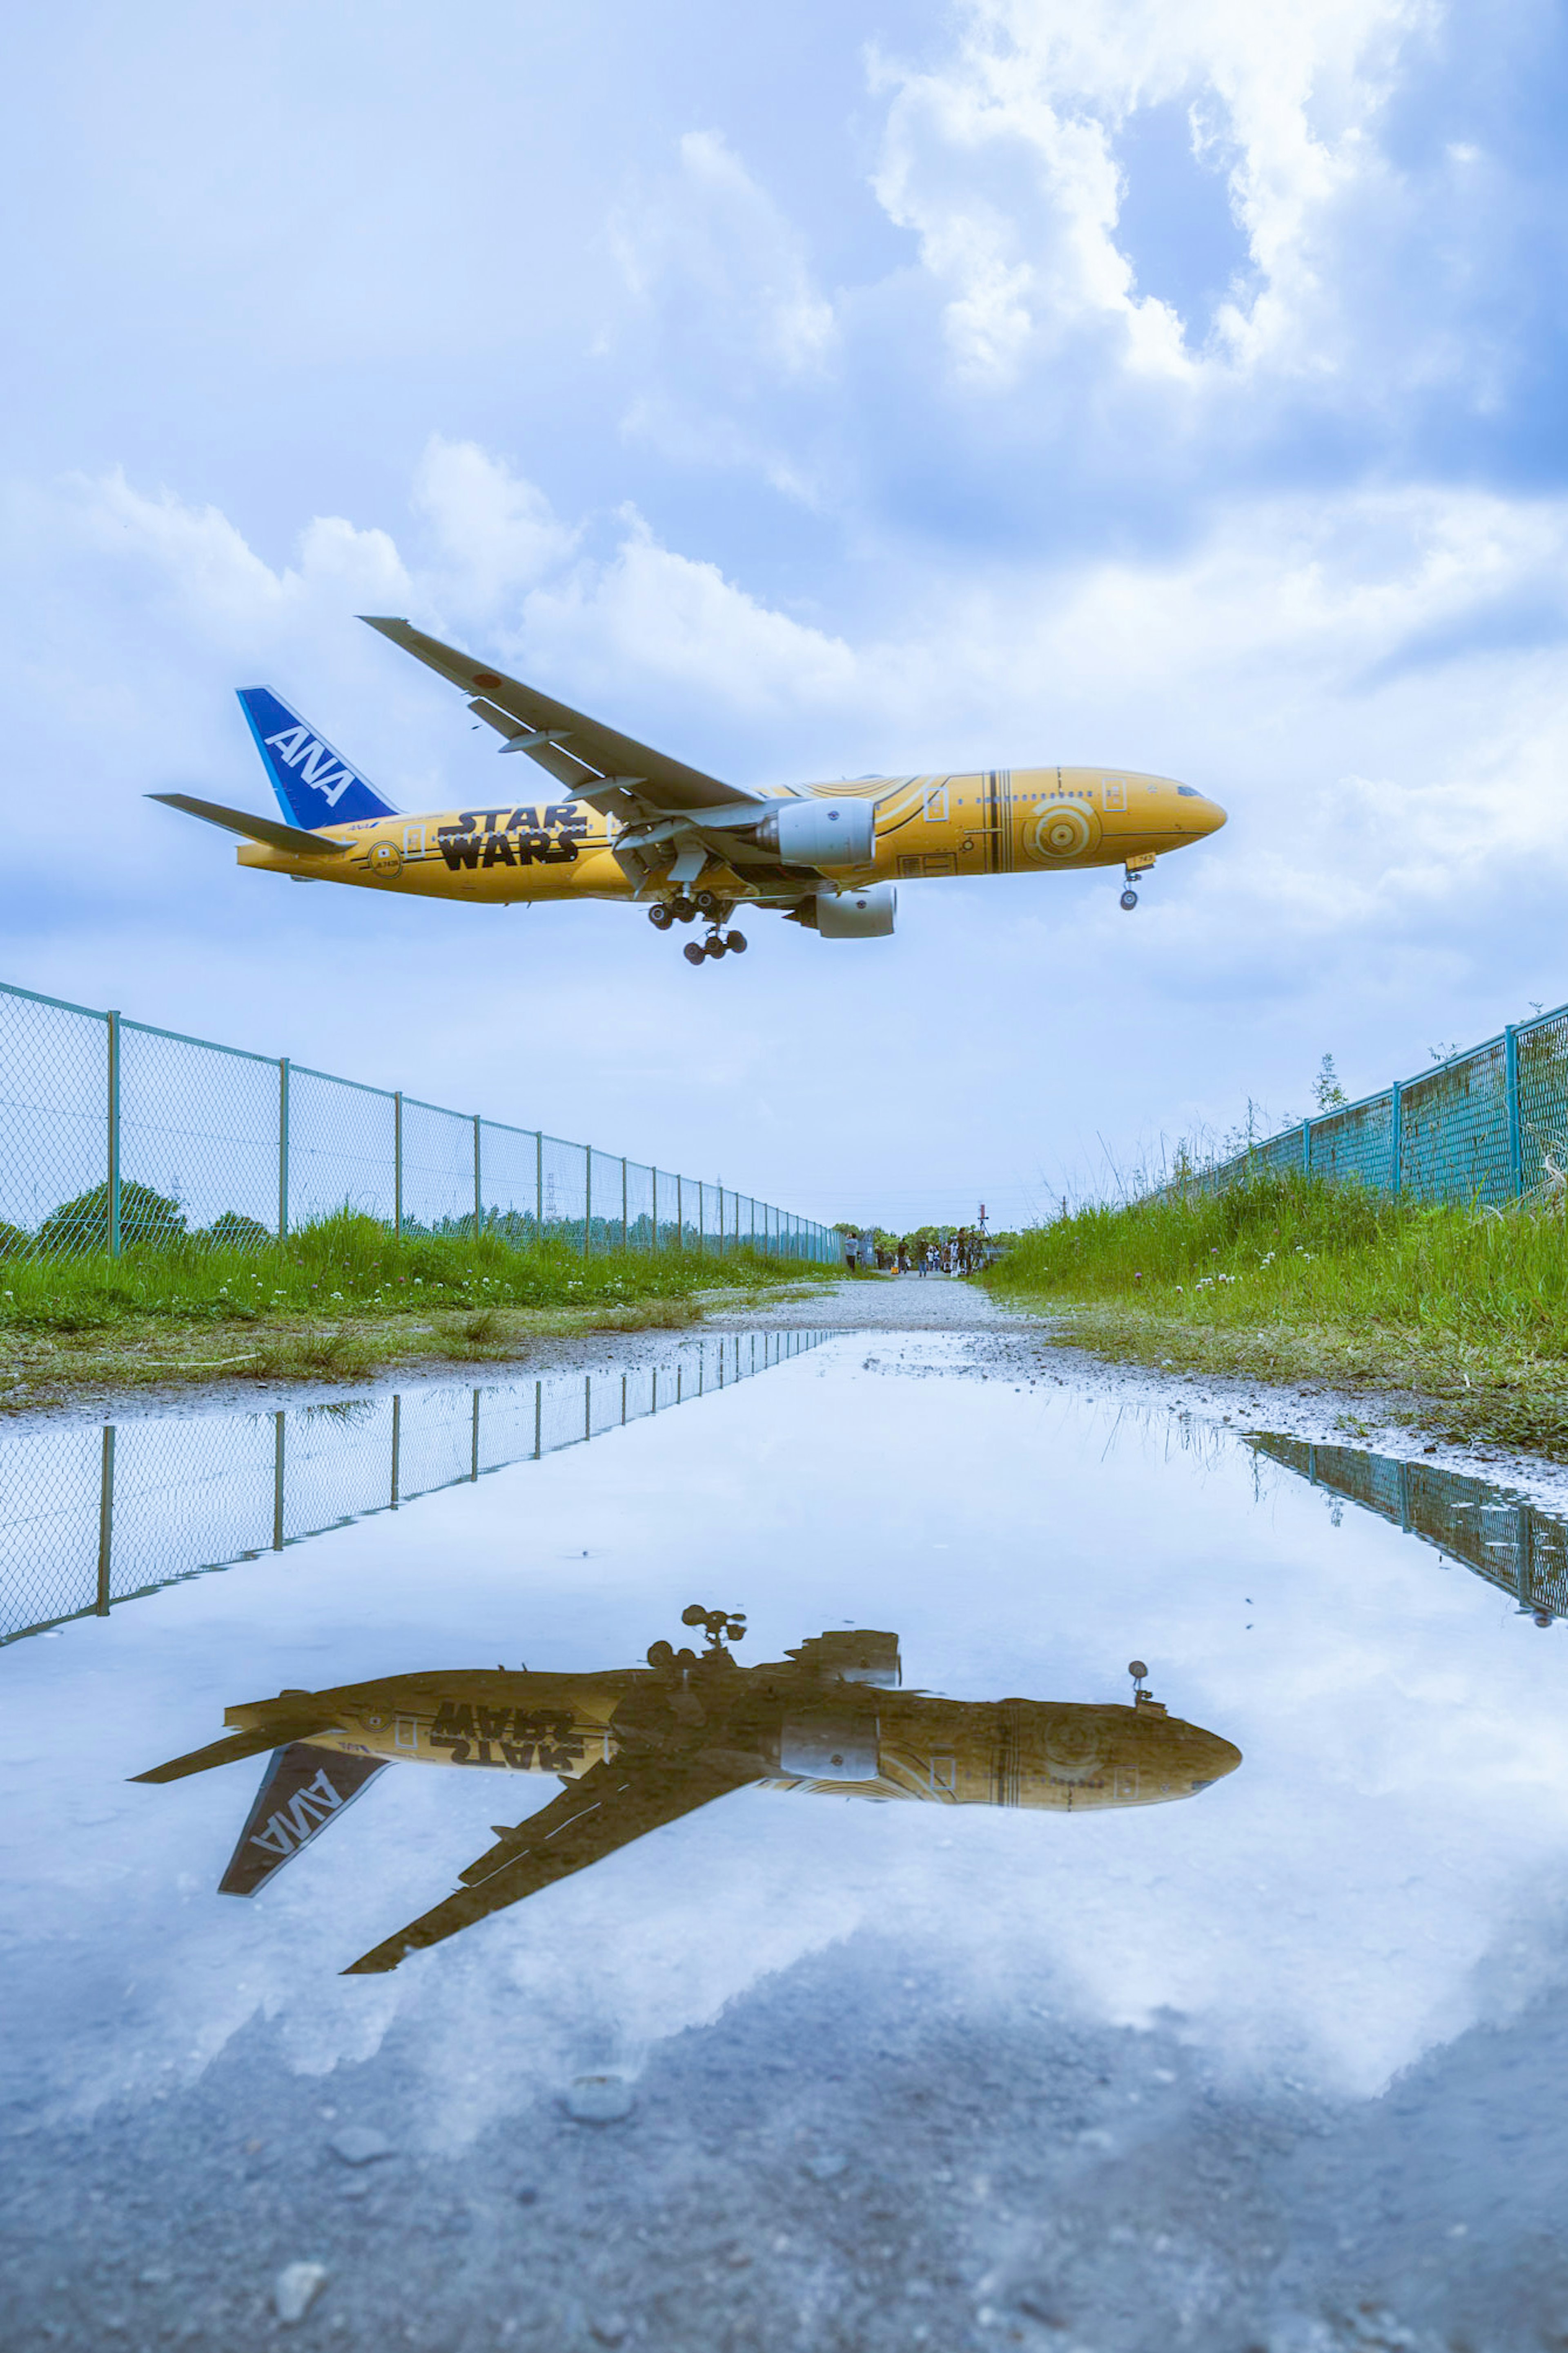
{"x": 963, "y": 1252}
{"x": 932, "y": 1250}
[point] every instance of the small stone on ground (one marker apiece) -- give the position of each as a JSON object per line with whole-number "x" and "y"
{"x": 600, "y": 2099}
{"x": 296, "y": 2289}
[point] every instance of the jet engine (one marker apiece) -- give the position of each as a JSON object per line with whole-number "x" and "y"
{"x": 856, "y": 914}
{"x": 829, "y": 1747}
{"x": 812, "y": 832}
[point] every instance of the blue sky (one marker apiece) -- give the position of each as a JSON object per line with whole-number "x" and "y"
{"x": 861, "y": 387}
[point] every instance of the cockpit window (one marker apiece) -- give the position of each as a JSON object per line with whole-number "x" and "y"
{"x": 1189, "y": 792}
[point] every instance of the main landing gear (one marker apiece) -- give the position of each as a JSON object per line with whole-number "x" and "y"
{"x": 719, "y": 942}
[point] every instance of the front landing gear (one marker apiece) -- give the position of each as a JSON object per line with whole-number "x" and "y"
{"x": 1130, "y": 872}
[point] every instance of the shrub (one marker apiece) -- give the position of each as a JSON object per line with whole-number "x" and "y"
{"x": 82, "y": 1226}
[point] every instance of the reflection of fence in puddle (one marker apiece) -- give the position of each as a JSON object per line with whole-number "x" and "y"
{"x": 91, "y": 1516}
{"x": 1500, "y": 1536}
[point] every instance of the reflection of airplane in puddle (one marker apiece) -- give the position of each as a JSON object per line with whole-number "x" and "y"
{"x": 640, "y": 1747}
{"x": 1500, "y": 1536}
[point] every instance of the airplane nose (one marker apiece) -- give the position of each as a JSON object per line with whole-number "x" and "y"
{"x": 1217, "y": 1759}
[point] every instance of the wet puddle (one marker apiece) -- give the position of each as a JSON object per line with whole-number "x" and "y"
{"x": 793, "y": 1841}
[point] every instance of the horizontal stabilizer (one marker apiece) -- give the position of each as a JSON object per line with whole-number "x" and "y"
{"x": 302, "y": 1789}
{"x": 235, "y": 1745}
{"x": 255, "y": 829}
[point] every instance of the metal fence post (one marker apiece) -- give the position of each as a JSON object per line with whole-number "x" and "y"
{"x": 105, "y": 1518}
{"x": 1306, "y": 1147}
{"x": 479, "y": 1195}
{"x": 282, "y": 1147}
{"x": 397, "y": 1163}
{"x": 394, "y": 1497}
{"x": 1515, "y": 1134}
{"x": 587, "y": 1199}
{"x": 624, "y": 1239}
{"x": 539, "y": 1183}
{"x": 279, "y": 1444}
{"x": 111, "y": 1187}
{"x": 654, "y": 1179}
{"x": 1395, "y": 1138}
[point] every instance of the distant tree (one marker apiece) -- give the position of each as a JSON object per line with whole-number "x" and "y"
{"x": 1327, "y": 1091}
{"x": 82, "y": 1225}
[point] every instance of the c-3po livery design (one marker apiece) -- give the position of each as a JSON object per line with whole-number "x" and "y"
{"x": 636, "y": 1747}
{"x": 618, "y": 821}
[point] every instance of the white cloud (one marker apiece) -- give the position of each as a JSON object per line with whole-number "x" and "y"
{"x": 1000, "y": 158}
{"x": 494, "y": 532}
{"x": 710, "y": 235}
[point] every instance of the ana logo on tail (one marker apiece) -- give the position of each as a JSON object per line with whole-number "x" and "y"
{"x": 298, "y": 748}
{"x": 313, "y": 783}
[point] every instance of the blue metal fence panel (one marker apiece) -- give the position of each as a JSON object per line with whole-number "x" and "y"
{"x": 114, "y": 1134}
{"x": 1487, "y": 1126}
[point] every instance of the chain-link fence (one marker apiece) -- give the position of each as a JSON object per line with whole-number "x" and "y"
{"x": 93, "y": 1517}
{"x": 1488, "y": 1126}
{"x": 1501, "y": 1538}
{"x": 112, "y": 1132}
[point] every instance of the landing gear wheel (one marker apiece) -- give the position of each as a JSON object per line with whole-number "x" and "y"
{"x": 682, "y": 910}
{"x": 736, "y": 942}
{"x": 707, "y": 903}
{"x": 660, "y": 916}
{"x": 1130, "y": 899}
{"x": 713, "y": 945}
{"x": 694, "y": 951}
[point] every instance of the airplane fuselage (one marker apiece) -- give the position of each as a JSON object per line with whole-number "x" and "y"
{"x": 851, "y": 1740}
{"x": 990, "y": 821}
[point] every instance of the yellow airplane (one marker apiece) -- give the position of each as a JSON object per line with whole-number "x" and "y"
{"x": 627, "y": 822}
{"x": 636, "y": 1747}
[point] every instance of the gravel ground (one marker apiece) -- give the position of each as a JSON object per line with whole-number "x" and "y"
{"x": 848, "y": 2160}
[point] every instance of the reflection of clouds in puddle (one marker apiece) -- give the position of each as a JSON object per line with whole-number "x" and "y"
{"x": 1387, "y": 1867}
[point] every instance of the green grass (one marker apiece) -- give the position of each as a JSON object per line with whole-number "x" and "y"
{"x": 346, "y": 1265}
{"x": 336, "y": 1300}
{"x": 1466, "y": 1310}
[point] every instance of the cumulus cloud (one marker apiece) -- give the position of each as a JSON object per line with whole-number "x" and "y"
{"x": 1001, "y": 157}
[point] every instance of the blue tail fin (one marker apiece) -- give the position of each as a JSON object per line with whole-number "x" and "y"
{"x": 314, "y": 784}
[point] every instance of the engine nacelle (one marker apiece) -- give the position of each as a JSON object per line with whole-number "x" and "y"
{"x": 820, "y": 1748}
{"x": 811, "y": 832}
{"x": 858, "y": 915}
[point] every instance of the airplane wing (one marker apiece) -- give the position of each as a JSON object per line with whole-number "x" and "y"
{"x": 596, "y": 763}
{"x": 292, "y": 838}
{"x": 610, "y": 1806}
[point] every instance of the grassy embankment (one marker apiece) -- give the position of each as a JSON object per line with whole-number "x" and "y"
{"x": 1463, "y": 1313}
{"x": 336, "y": 1301}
